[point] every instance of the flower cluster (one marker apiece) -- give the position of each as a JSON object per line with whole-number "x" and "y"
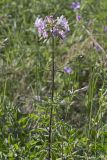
{"x": 49, "y": 26}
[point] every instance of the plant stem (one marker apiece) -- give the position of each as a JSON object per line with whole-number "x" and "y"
{"x": 52, "y": 98}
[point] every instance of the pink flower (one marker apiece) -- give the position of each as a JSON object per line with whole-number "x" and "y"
{"x": 41, "y": 26}
{"x": 78, "y": 17}
{"x": 63, "y": 22}
{"x": 67, "y": 70}
{"x": 75, "y": 5}
{"x": 105, "y": 29}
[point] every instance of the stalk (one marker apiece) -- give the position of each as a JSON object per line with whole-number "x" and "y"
{"x": 52, "y": 98}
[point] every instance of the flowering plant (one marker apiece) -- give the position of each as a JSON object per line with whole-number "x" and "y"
{"x": 51, "y": 27}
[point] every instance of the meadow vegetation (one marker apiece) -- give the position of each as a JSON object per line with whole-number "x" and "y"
{"x": 79, "y": 118}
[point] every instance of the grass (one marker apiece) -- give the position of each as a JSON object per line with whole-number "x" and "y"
{"x": 79, "y": 126}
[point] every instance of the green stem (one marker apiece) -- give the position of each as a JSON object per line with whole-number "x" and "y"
{"x": 52, "y": 98}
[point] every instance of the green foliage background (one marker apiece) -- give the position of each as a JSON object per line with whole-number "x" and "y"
{"x": 80, "y": 115}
